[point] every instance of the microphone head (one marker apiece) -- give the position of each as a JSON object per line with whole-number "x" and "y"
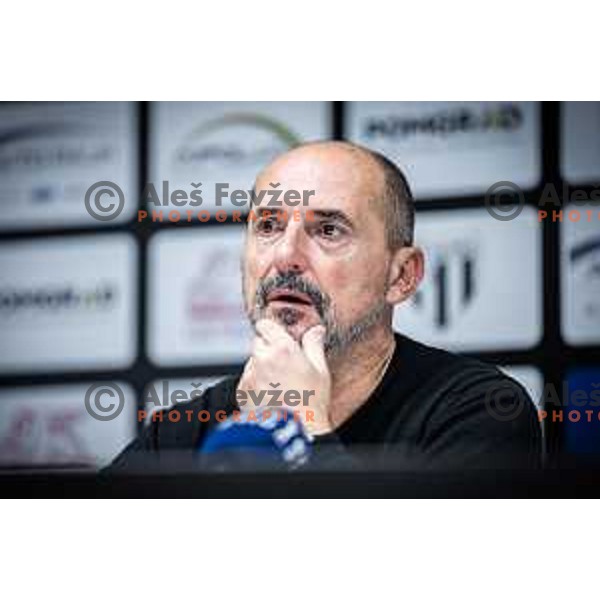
{"x": 271, "y": 440}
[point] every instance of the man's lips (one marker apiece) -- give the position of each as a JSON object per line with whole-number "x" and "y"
{"x": 289, "y": 297}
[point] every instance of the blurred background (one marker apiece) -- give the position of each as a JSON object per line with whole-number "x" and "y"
{"x": 149, "y": 312}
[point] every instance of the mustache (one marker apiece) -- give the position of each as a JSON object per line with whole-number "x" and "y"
{"x": 292, "y": 282}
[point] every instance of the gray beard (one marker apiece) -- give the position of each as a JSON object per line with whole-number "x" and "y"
{"x": 338, "y": 339}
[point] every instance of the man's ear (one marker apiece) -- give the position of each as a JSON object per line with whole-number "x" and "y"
{"x": 406, "y": 273}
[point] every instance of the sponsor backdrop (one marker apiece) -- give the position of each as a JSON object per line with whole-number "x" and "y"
{"x": 145, "y": 313}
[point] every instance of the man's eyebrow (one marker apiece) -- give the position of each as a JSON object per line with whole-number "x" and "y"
{"x": 321, "y": 214}
{"x": 261, "y": 209}
{"x": 333, "y": 215}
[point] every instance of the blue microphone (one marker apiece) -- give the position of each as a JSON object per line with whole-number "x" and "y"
{"x": 275, "y": 441}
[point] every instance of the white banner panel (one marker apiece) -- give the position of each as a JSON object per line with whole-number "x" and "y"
{"x": 51, "y": 425}
{"x": 68, "y": 304}
{"x": 52, "y": 153}
{"x": 580, "y": 279}
{"x": 580, "y": 136}
{"x": 225, "y": 142}
{"x": 483, "y": 282}
{"x": 452, "y": 148}
{"x": 196, "y": 309}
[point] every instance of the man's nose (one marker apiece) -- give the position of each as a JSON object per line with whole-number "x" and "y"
{"x": 290, "y": 251}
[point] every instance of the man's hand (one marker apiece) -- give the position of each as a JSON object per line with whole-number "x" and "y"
{"x": 278, "y": 359}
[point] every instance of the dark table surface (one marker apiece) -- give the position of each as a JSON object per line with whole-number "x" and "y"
{"x": 174, "y": 480}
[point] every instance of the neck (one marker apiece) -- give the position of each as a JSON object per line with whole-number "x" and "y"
{"x": 357, "y": 372}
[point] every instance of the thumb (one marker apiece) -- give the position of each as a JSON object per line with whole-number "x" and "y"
{"x": 248, "y": 376}
{"x": 313, "y": 345}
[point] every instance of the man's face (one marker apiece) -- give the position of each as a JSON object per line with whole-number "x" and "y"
{"x": 330, "y": 270}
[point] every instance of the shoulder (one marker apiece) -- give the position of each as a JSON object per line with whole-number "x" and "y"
{"x": 181, "y": 426}
{"x": 421, "y": 365}
{"x": 450, "y": 370}
{"x": 465, "y": 402}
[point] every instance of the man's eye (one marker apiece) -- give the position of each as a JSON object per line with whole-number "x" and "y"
{"x": 330, "y": 231}
{"x": 266, "y": 226}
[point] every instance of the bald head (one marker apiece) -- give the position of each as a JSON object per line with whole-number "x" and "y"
{"x": 385, "y": 187}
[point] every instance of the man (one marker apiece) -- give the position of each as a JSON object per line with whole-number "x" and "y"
{"x": 320, "y": 292}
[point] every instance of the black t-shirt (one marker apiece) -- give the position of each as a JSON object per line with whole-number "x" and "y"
{"x": 432, "y": 408}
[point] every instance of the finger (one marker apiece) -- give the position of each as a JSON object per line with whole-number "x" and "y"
{"x": 259, "y": 346}
{"x": 313, "y": 345}
{"x": 273, "y": 332}
{"x": 248, "y": 375}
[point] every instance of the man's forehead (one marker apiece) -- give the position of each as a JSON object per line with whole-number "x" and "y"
{"x": 335, "y": 173}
